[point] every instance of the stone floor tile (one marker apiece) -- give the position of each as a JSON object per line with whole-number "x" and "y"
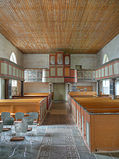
{"x": 115, "y": 155}
{"x": 86, "y": 155}
{"x": 103, "y": 156}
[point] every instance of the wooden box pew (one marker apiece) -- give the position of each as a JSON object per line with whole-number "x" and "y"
{"x": 80, "y": 94}
{"x": 98, "y": 123}
{"x": 25, "y": 106}
{"x": 106, "y": 96}
{"x": 73, "y": 107}
{"x": 99, "y": 106}
{"x": 97, "y": 103}
{"x": 91, "y": 99}
{"x": 87, "y": 93}
{"x": 37, "y": 95}
{"x": 47, "y": 95}
{"x": 85, "y": 102}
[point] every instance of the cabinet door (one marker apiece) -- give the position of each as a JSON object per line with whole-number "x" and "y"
{"x": 59, "y": 59}
{"x": 67, "y": 72}
{"x": 52, "y": 71}
{"x": 67, "y": 60}
{"x": 60, "y": 71}
{"x": 52, "y": 60}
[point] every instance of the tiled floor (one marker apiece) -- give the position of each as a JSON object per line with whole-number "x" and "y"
{"x": 57, "y": 138}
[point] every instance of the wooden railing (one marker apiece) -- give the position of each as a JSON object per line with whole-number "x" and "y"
{"x": 85, "y": 75}
{"x": 11, "y": 70}
{"x": 108, "y": 70}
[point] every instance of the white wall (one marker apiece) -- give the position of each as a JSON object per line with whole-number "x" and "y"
{"x": 111, "y": 49}
{"x": 36, "y": 61}
{"x": 6, "y": 48}
{"x": 42, "y": 60}
{"x": 88, "y": 61}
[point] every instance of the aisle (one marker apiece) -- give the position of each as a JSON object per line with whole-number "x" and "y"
{"x": 62, "y": 139}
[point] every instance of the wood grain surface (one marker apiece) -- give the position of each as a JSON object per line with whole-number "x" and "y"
{"x": 46, "y": 26}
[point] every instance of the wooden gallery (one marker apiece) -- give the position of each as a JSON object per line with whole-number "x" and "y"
{"x": 59, "y": 79}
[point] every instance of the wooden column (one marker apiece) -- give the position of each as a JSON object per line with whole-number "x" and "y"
{"x": 22, "y": 88}
{"x": 112, "y": 88}
{"x": 98, "y": 88}
{"x": 8, "y": 89}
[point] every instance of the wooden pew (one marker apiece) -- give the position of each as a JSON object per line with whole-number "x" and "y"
{"x": 25, "y": 105}
{"x": 99, "y": 106}
{"x": 89, "y": 88}
{"x": 87, "y": 93}
{"x": 49, "y": 97}
{"x": 97, "y": 119}
{"x": 37, "y": 95}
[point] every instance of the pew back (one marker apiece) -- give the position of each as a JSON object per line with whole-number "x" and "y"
{"x": 87, "y": 93}
{"x": 25, "y": 105}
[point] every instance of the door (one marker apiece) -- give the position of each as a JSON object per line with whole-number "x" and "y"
{"x": 59, "y": 91}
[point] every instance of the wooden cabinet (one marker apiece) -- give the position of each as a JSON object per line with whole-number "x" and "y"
{"x": 59, "y": 70}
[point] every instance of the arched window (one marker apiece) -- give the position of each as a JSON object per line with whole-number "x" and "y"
{"x": 105, "y": 58}
{"x": 13, "y": 59}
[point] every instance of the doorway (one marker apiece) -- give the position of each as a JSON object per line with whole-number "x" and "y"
{"x": 59, "y": 91}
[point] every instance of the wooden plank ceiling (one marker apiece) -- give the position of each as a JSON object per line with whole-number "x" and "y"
{"x": 73, "y": 26}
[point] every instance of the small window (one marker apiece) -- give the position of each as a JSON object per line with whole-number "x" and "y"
{"x": 106, "y": 86}
{"x": 14, "y": 83}
{"x": 117, "y": 87}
